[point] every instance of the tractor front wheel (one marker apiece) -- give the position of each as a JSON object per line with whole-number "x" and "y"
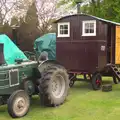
{"x": 96, "y": 81}
{"x": 54, "y": 86}
{"x": 18, "y": 104}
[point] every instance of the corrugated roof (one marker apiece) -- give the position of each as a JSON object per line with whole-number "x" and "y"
{"x": 101, "y": 19}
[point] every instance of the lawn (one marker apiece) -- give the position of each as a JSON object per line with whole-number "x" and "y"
{"x": 82, "y": 104}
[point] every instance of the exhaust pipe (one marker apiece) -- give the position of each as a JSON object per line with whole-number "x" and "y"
{"x": 78, "y": 7}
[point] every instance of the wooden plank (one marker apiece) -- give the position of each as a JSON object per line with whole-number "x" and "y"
{"x": 117, "y": 46}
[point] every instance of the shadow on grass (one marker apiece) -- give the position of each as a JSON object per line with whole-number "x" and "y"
{"x": 107, "y": 82}
{"x": 81, "y": 86}
{"x": 87, "y": 85}
{"x": 35, "y": 102}
{"x": 3, "y": 109}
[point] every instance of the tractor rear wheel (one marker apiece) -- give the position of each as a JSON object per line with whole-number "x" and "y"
{"x": 18, "y": 104}
{"x": 54, "y": 86}
{"x": 96, "y": 81}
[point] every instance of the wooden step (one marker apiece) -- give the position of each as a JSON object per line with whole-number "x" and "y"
{"x": 116, "y": 71}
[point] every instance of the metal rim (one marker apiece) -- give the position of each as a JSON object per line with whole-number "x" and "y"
{"x": 58, "y": 86}
{"x": 20, "y": 106}
{"x": 98, "y": 81}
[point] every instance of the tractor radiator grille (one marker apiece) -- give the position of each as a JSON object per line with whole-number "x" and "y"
{"x": 14, "y": 77}
{"x": 9, "y": 78}
{"x": 4, "y": 79}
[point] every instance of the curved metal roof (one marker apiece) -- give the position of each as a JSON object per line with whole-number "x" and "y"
{"x": 104, "y": 20}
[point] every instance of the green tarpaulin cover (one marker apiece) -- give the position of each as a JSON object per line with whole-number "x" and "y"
{"x": 11, "y": 51}
{"x": 47, "y": 43}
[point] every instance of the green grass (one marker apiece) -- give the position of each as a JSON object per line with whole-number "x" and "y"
{"x": 82, "y": 104}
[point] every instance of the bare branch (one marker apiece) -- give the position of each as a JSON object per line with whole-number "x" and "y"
{"x": 9, "y": 8}
{"x": 46, "y": 12}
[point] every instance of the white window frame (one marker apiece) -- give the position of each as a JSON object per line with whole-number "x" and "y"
{"x": 64, "y": 35}
{"x": 83, "y": 28}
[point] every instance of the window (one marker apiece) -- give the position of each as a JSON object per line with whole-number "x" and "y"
{"x": 64, "y": 29}
{"x": 89, "y": 28}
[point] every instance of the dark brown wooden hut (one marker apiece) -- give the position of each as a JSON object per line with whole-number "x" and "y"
{"x": 87, "y": 43}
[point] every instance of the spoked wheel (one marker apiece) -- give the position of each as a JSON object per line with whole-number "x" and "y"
{"x": 115, "y": 80}
{"x": 96, "y": 81}
{"x": 18, "y": 104}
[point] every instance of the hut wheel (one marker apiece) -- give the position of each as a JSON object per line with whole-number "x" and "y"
{"x": 96, "y": 81}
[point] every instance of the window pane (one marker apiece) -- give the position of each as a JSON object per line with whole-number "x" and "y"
{"x": 65, "y": 31}
{"x": 87, "y": 25}
{"x": 91, "y": 25}
{"x": 61, "y": 27}
{"x": 61, "y": 32}
{"x": 65, "y": 26}
{"x": 91, "y": 30}
{"x": 86, "y": 30}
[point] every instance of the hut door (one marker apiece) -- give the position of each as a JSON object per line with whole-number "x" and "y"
{"x": 109, "y": 45}
{"x": 117, "y": 46}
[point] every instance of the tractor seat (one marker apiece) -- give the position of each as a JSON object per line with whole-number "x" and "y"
{"x": 43, "y": 56}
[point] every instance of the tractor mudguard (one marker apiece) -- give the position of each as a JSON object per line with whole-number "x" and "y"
{"x": 45, "y": 64}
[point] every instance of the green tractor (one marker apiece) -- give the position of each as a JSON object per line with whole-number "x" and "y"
{"x": 24, "y": 78}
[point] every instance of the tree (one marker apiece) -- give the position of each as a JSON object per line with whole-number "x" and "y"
{"x": 93, "y": 7}
{"x": 108, "y": 9}
{"x": 46, "y": 15}
{"x": 28, "y": 30}
{"x": 5, "y": 28}
{"x": 9, "y": 8}
{"x": 4, "y": 9}
{"x": 88, "y": 5}
{"x": 31, "y": 16}
{"x": 14, "y": 21}
{"x": 70, "y": 2}
{"x": 111, "y": 10}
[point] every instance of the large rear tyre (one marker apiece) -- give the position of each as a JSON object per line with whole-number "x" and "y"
{"x": 54, "y": 86}
{"x": 96, "y": 81}
{"x": 18, "y": 104}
